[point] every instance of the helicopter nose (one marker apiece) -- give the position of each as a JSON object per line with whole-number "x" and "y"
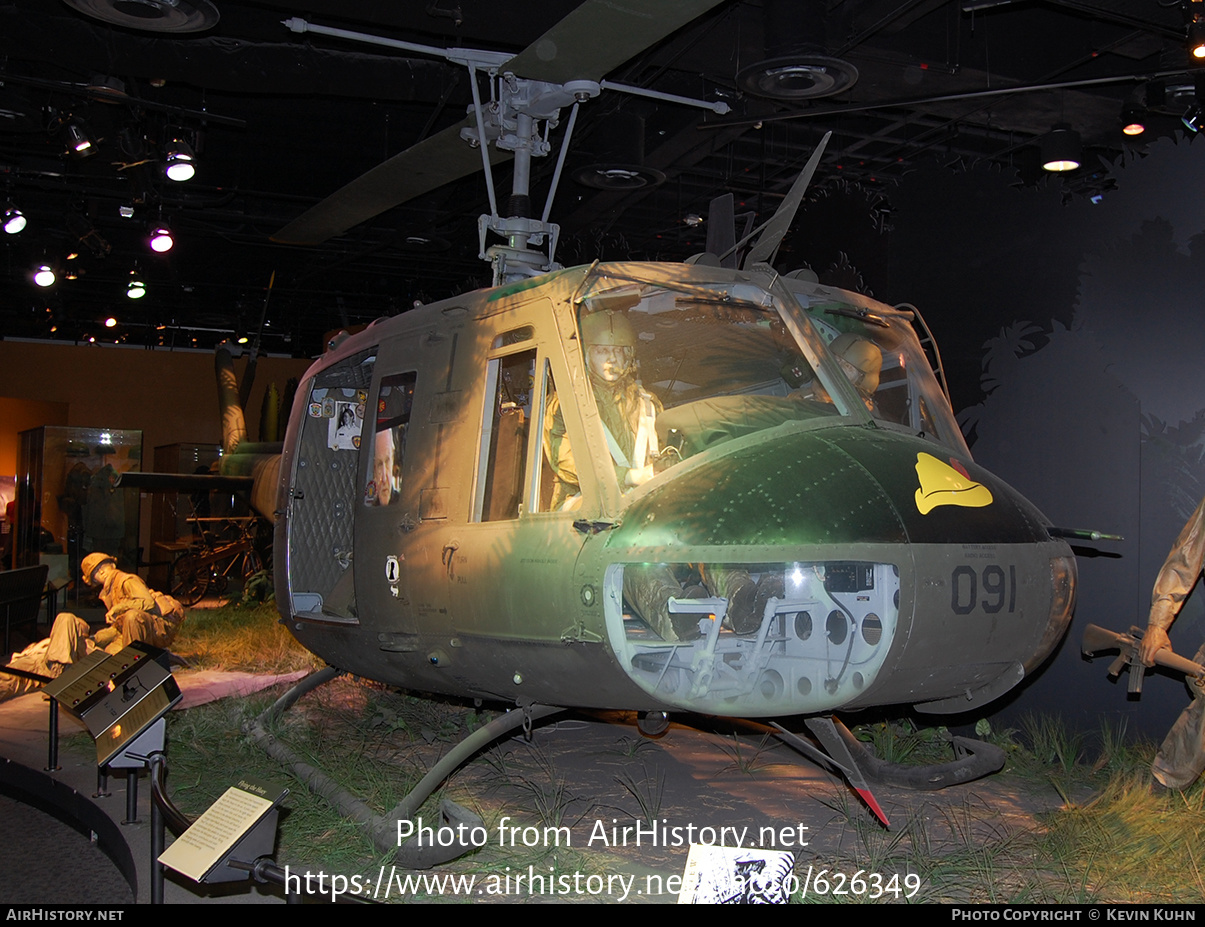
{"x": 833, "y": 567}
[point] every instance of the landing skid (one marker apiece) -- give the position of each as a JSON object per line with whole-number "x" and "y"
{"x": 859, "y": 765}
{"x": 385, "y": 830}
{"x": 841, "y": 752}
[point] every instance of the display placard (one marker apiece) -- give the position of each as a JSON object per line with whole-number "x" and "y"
{"x": 236, "y": 817}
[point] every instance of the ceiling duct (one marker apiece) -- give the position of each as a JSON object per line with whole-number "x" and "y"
{"x": 619, "y": 163}
{"x": 796, "y": 66}
{"x": 176, "y": 16}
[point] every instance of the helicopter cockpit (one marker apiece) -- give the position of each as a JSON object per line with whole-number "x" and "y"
{"x": 731, "y": 358}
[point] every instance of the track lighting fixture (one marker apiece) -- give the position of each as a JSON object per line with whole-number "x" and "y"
{"x": 14, "y": 219}
{"x": 1132, "y": 123}
{"x": 1061, "y": 149}
{"x": 179, "y": 161}
{"x": 1196, "y": 39}
{"x": 136, "y": 289}
{"x": 1134, "y": 114}
{"x": 44, "y": 276}
{"x": 161, "y": 239}
{"x": 78, "y": 140}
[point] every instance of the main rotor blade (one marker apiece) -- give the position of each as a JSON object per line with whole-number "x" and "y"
{"x": 591, "y": 41}
{"x": 766, "y": 246}
{"x": 431, "y": 163}
{"x": 600, "y": 35}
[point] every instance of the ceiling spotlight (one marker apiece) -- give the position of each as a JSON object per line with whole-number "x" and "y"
{"x": 78, "y": 140}
{"x": 1196, "y": 39}
{"x": 1133, "y": 113}
{"x": 110, "y": 322}
{"x": 126, "y": 212}
{"x": 14, "y": 219}
{"x": 161, "y": 239}
{"x": 1061, "y": 149}
{"x": 44, "y": 276}
{"x": 136, "y": 288}
{"x": 179, "y": 161}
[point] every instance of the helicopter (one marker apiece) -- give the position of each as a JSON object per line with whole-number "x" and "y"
{"x": 808, "y": 533}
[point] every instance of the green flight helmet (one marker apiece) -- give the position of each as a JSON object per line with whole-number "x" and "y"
{"x": 608, "y": 328}
{"x": 863, "y": 356}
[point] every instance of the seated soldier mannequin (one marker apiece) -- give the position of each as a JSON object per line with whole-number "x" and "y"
{"x": 135, "y": 613}
{"x": 862, "y": 363}
{"x": 628, "y": 414}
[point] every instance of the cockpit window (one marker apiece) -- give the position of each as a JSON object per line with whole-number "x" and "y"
{"x": 674, "y": 373}
{"x": 880, "y": 356}
{"x": 678, "y": 365}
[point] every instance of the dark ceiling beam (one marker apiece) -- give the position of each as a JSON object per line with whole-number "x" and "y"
{"x": 905, "y": 8}
{"x": 676, "y": 155}
{"x": 1096, "y": 12}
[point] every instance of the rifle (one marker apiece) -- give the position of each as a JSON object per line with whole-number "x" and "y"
{"x": 1097, "y": 638}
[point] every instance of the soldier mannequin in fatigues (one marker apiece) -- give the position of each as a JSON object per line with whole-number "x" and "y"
{"x": 628, "y": 414}
{"x": 135, "y": 611}
{"x": 1181, "y": 757}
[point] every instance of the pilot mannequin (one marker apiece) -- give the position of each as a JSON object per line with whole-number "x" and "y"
{"x": 628, "y": 411}
{"x": 1181, "y": 756}
{"x": 862, "y": 363}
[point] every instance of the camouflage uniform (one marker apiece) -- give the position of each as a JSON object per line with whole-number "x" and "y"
{"x": 134, "y": 611}
{"x": 137, "y": 613}
{"x": 1181, "y": 757}
{"x": 67, "y": 643}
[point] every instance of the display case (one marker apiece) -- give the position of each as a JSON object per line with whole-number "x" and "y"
{"x": 172, "y": 532}
{"x": 68, "y": 501}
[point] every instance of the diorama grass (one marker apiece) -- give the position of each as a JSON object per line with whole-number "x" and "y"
{"x": 648, "y": 789}
{"x": 746, "y": 759}
{"x": 1110, "y": 838}
{"x": 1121, "y": 842}
{"x": 240, "y": 638}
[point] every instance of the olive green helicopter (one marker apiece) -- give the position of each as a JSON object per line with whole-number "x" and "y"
{"x": 705, "y": 489}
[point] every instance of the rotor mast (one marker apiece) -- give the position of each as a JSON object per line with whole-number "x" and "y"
{"x": 511, "y": 121}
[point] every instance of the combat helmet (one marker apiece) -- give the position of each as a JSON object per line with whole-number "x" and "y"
{"x": 92, "y": 563}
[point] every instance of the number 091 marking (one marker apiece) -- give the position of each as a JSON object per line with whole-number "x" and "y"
{"x": 999, "y": 589}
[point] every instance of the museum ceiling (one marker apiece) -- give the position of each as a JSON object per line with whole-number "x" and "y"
{"x": 279, "y": 120}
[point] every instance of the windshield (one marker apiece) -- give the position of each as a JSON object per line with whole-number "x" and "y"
{"x": 680, "y": 363}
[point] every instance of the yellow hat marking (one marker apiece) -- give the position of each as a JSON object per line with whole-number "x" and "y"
{"x": 942, "y": 484}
